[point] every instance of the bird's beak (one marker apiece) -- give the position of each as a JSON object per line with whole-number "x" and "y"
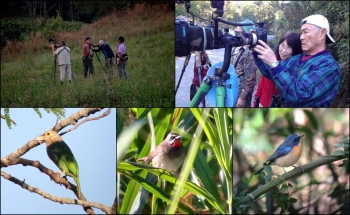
{"x": 301, "y": 136}
{"x": 41, "y": 139}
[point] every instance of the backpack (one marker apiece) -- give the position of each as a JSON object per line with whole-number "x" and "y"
{"x": 125, "y": 57}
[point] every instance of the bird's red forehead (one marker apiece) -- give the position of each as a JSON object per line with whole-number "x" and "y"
{"x": 177, "y": 143}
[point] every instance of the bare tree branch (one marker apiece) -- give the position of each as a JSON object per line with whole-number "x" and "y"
{"x": 71, "y": 120}
{"x": 54, "y": 176}
{"x": 61, "y": 200}
{"x": 13, "y": 159}
{"x": 86, "y": 120}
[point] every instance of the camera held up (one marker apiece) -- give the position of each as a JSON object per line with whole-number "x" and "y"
{"x": 189, "y": 38}
{"x": 52, "y": 41}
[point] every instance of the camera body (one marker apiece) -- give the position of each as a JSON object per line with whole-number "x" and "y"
{"x": 52, "y": 41}
{"x": 190, "y": 38}
{"x": 93, "y": 45}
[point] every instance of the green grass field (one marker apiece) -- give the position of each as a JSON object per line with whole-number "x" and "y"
{"x": 26, "y": 79}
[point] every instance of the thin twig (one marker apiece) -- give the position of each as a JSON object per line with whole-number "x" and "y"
{"x": 61, "y": 200}
{"x": 86, "y": 120}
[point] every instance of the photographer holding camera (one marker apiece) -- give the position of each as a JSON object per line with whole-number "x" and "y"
{"x": 87, "y": 58}
{"x": 243, "y": 61}
{"x": 267, "y": 94}
{"x": 311, "y": 79}
{"x": 109, "y": 56}
{"x": 63, "y": 54}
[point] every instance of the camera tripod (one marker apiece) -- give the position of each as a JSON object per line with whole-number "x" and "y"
{"x": 54, "y": 69}
{"x": 220, "y": 86}
{"x": 182, "y": 73}
{"x": 100, "y": 62}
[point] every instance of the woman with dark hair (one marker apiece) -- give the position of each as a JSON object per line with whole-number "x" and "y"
{"x": 288, "y": 46}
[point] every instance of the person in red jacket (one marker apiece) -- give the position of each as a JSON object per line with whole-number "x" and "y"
{"x": 288, "y": 46}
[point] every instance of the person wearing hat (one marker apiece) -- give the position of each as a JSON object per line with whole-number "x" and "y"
{"x": 109, "y": 56}
{"x": 243, "y": 61}
{"x": 87, "y": 58}
{"x": 63, "y": 54}
{"x": 311, "y": 79}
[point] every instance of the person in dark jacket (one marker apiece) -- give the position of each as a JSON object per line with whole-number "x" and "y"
{"x": 288, "y": 46}
{"x": 109, "y": 56}
{"x": 311, "y": 79}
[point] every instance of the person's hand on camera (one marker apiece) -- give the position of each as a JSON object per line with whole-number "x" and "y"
{"x": 265, "y": 53}
{"x": 240, "y": 102}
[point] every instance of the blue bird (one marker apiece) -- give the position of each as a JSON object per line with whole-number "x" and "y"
{"x": 287, "y": 154}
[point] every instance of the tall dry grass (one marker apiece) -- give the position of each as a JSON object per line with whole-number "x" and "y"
{"x": 26, "y": 68}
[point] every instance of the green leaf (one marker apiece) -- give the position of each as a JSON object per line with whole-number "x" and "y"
{"x": 292, "y": 200}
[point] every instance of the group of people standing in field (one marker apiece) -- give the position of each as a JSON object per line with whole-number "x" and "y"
{"x": 111, "y": 60}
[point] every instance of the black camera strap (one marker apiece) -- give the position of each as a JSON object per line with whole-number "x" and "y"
{"x": 62, "y": 50}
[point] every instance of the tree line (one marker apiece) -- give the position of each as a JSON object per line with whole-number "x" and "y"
{"x": 82, "y": 11}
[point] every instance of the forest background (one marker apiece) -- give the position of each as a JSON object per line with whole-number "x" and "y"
{"x": 282, "y": 16}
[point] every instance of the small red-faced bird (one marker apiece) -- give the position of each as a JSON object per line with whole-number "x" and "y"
{"x": 168, "y": 155}
{"x": 287, "y": 154}
{"x": 59, "y": 152}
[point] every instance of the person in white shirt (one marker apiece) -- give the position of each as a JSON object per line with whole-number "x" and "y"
{"x": 63, "y": 54}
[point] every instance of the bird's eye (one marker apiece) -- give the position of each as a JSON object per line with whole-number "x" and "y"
{"x": 47, "y": 133}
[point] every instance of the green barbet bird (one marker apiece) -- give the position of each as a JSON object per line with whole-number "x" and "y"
{"x": 59, "y": 152}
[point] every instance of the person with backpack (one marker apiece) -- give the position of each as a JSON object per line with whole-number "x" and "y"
{"x": 63, "y": 54}
{"x": 109, "y": 56}
{"x": 121, "y": 60}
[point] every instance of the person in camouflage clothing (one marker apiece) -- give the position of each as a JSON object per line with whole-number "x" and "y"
{"x": 245, "y": 69}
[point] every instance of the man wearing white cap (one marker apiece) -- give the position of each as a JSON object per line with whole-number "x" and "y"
{"x": 310, "y": 79}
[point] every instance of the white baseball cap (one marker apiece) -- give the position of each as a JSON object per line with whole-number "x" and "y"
{"x": 319, "y": 21}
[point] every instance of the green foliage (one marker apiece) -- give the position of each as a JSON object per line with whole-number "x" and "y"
{"x": 59, "y": 112}
{"x": 252, "y": 138}
{"x": 210, "y": 157}
{"x": 13, "y": 29}
{"x": 21, "y": 29}
{"x": 281, "y": 195}
{"x": 57, "y": 25}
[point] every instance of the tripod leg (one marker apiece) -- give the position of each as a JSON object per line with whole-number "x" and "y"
{"x": 182, "y": 72}
{"x": 200, "y": 72}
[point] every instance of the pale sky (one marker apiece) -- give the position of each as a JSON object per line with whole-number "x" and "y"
{"x": 93, "y": 145}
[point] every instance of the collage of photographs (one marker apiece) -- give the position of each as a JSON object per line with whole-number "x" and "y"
{"x": 175, "y": 107}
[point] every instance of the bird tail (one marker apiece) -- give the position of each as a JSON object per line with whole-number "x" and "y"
{"x": 76, "y": 179}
